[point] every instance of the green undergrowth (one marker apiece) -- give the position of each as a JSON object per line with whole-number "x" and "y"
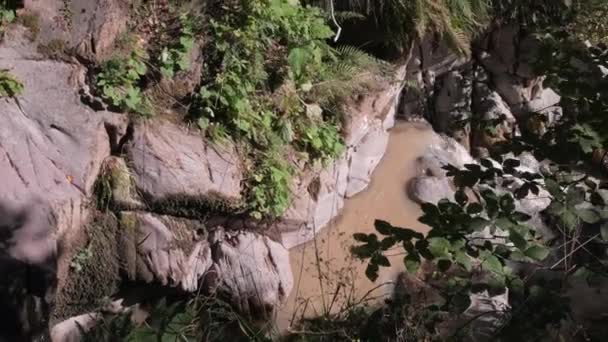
{"x": 197, "y": 319}
{"x": 123, "y": 80}
{"x": 119, "y": 82}
{"x": 176, "y": 56}
{"x": 7, "y": 13}
{"x": 91, "y": 278}
{"x": 276, "y": 87}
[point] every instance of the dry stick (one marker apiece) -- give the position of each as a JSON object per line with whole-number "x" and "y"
{"x": 333, "y": 17}
{"x": 574, "y": 251}
{"x": 318, "y": 264}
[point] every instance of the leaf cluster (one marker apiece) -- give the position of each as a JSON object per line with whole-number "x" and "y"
{"x": 274, "y": 91}
{"x": 119, "y": 83}
{"x": 9, "y": 85}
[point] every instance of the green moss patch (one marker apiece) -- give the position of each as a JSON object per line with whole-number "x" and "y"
{"x": 98, "y": 277}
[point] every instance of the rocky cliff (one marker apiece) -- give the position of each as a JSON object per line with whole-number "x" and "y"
{"x": 93, "y": 200}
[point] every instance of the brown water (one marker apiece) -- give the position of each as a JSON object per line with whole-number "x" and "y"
{"x": 326, "y": 276}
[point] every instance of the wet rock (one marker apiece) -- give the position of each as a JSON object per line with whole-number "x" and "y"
{"x": 453, "y": 105}
{"x": 485, "y": 315}
{"x": 430, "y": 189}
{"x": 429, "y": 60}
{"x": 503, "y": 56}
{"x": 316, "y": 200}
{"x": 432, "y": 183}
{"x": 90, "y": 28}
{"x": 318, "y": 196}
{"x": 490, "y": 109}
{"x": 443, "y": 151}
{"x": 171, "y": 162}
{"x": 544, "y": 100}
{"x": 253, "y": 269}
{"x": 364, "y": 158}
{"x": 377, "y": 106}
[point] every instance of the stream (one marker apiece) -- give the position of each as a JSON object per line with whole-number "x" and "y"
{"x": 327, "y": 278}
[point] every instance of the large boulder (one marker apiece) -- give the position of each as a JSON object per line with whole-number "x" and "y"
{"x": 51, "y": 150}
{"x": 498, "y": 124}
{"x": 317, "y": 199}
{"x": 170, "y": 162}
{"x": 453, "y": 105}
{"x": 168, "y": 250}
{"x": 364, "y": 158}
{"x": 251, "y": 268}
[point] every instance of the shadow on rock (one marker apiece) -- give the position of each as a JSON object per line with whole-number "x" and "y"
{"x": 28, "y": 267}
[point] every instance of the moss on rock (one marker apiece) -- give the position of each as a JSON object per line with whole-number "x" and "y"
{"x": 84, "y": 290}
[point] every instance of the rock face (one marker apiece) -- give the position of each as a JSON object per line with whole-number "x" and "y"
{"x": 169, "y": 162}
{"x": 318, "y": 198}
{"x": 253, "y": 269}
{"x": 51, "y": 149}
{"x": 250, "y": 269}
{"x": 88, "y": 27}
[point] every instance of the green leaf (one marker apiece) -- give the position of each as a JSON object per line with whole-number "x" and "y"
{"x": 463, "y": 259}
{"x": 461, "y": 197}
{"x": 364, "y": 251}
{"x": 537, "y": 252}
{"x": 492, "y": 264}
{"x": 360, "y": 237}
{"x": 444, "y": 264}
{"x": 518, "y": 240}
{"x": 520, "y": 217}
{"x": 412, "y": 263}
{"x": 381, "y": 260}
{"x": 575, "y": 195}
{"x": 554, "y": 189}
{"x": 439, "y": 247}
{"x": 406, "y": 234}
{"x": 507, "y": 203}
{"x": 372, "y": 272}
{"x": 588, "y": 215}
{"x": 383, "y": 227}
{"x": 387, "y": 243}
{"x": 478, "y": 224}
{"x": 604, "y": 231}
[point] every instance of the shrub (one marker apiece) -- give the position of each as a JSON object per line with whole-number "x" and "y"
{"x": 272, "y": 62}
{"x": 118, "y": 81}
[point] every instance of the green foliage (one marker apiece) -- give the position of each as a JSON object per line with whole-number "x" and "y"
{"x": 7, "y": 13}
{"x": 270, "y": 187}
{"x": 118, "y": 82}
{"x": 81, "y": 258}
{"x": 275, "y": 91}
{"x": 489, "y": 230}
{"x": 9, "y": 85}
{"x": 177, "y": 319}
{"x": 177, "y": 56}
